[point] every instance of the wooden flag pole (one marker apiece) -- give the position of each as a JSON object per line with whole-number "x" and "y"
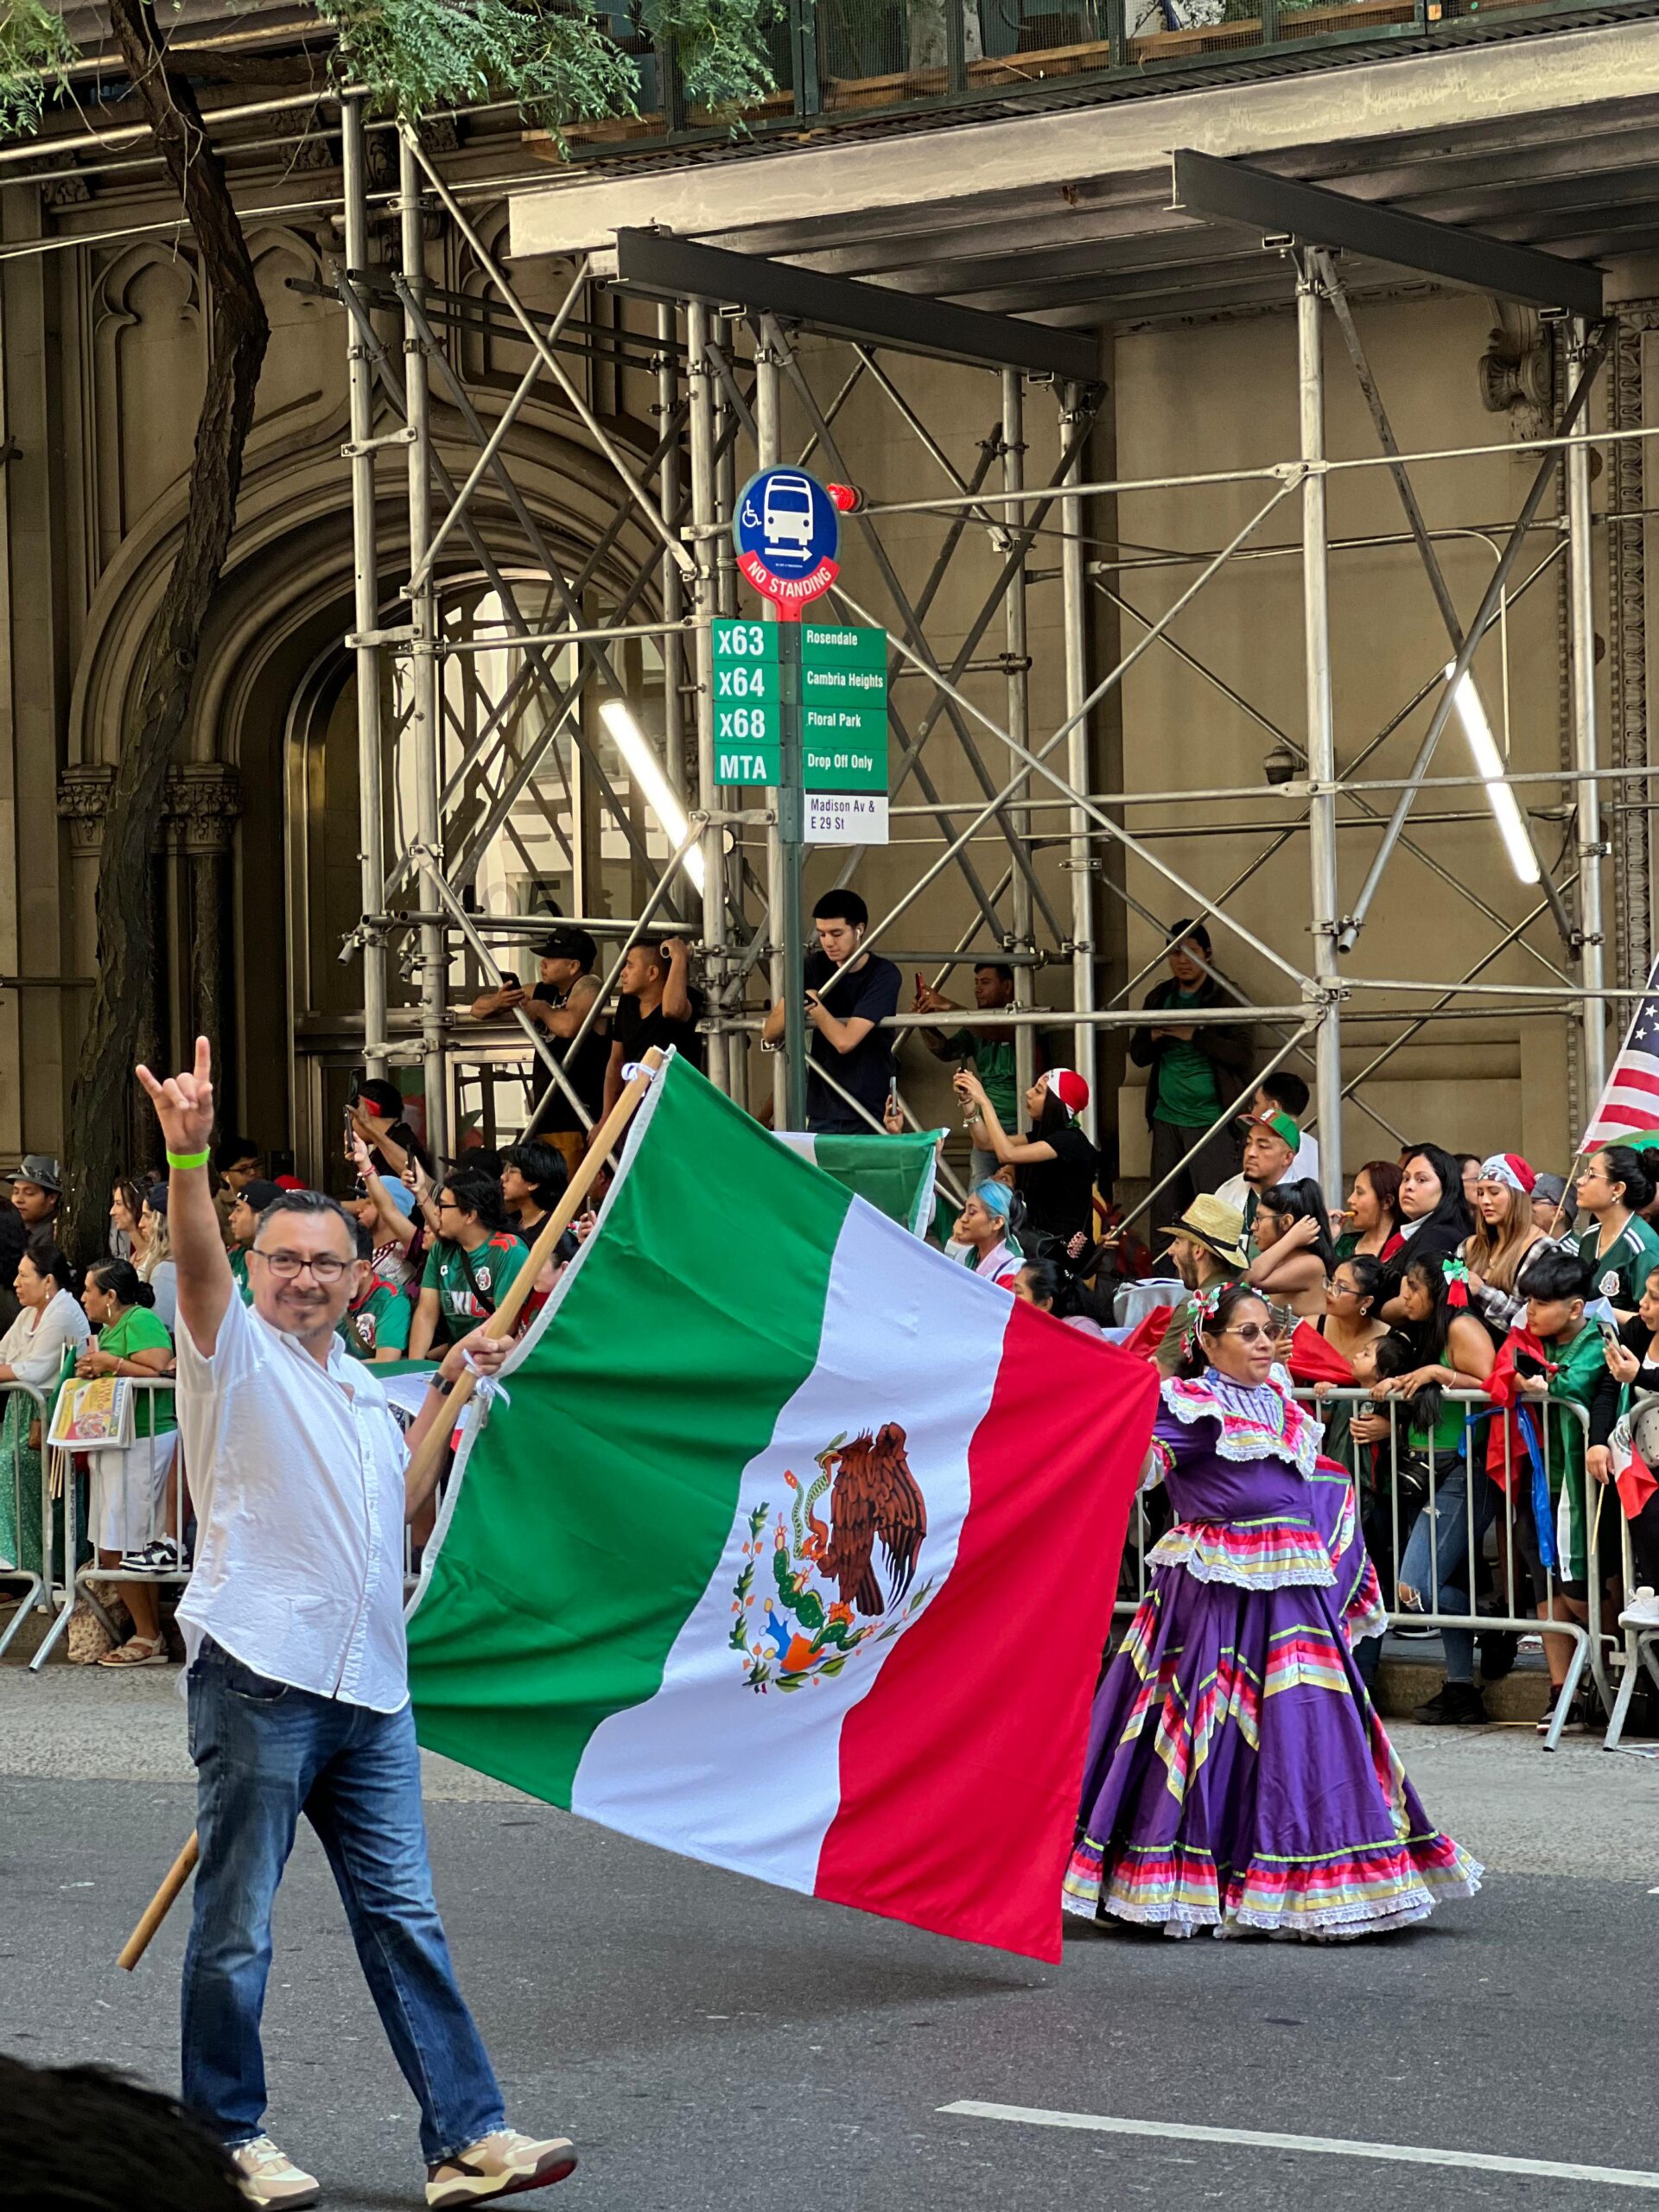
{"x": 437, "y": 1441}
{"x": 501, "y": 1323}
{"x": 159, "y": 1906}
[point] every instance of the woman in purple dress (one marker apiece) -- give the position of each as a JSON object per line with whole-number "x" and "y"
{"x": 1237, "y": 1776}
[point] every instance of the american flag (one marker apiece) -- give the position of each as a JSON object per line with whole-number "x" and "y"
{"x": 1629, "y": 1101}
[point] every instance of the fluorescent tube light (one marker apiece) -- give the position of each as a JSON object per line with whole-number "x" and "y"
{"x": 646, "y": 771}
{"x": 1489, "y": 765}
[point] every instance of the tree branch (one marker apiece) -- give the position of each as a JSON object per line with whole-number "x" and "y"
{"x": 239, "y": 335}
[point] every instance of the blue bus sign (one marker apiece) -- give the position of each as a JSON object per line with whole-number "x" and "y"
{"x": 787, "y": 533}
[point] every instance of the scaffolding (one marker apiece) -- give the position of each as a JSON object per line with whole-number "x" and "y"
{"x": 725, "y": 356}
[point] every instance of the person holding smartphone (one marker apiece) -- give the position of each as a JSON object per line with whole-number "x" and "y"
{"x": 849, "y": 994}
{"x": 990, "y": 1054}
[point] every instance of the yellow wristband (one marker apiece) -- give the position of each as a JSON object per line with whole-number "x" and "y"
{"x": 188, "y": 1159}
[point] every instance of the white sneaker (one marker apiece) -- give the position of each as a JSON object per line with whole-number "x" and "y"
{"x": 506, "y": 2163}
{"x": 269, "y": 2175}
{"x": 1642, "y": 1612}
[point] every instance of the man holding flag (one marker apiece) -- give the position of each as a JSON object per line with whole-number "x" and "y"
{"x": 297, "y": 1677}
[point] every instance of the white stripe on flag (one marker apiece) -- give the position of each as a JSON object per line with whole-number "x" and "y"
{"x": 751, "y": 1780}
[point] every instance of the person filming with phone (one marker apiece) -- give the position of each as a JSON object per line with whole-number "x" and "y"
{"x": 991, "y": 1054}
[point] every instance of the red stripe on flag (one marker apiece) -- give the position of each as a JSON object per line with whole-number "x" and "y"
{"x": 1628, "y": 1075}
{"x": 1635, "y": 1484}
{"x": 1614, "y": 1120}
{"x": 961, "y": 1771}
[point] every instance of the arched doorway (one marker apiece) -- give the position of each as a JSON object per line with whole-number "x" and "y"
{"x": 527, "y": 838}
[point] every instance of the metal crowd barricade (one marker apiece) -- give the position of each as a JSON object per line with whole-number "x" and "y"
{"x": 1640, "y": 1646}
{"x": 167, "y": 1513}
{"x": 1487, "y": 1507}
{"x": 14, "y": 1483}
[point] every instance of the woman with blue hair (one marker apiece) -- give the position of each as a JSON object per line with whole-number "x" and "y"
{"x": 987, "y": 1229}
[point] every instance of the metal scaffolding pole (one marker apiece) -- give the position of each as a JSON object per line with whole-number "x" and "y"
{"x": 370, "y": 815}
{"x": 1013, "y": 477}
{"x": 704, "y": 589}
{"x": 1082, "y": 861}
{"x": 1321, "y": 733}
{"x": 423, "y": 732}
{"x": 668, "y": 402}
{"x": 784, "y": 801}
{"x": 1581, "y": 596}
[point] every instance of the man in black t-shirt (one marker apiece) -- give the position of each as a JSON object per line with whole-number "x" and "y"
{"x": 843, "y": 1037}
{"x": 659, "y": 1005}
{"x": 558, "y": 1006}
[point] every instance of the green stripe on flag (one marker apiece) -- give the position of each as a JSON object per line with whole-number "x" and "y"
{"x": 590, "y": 1512}
{"x": 895, "y": 1173}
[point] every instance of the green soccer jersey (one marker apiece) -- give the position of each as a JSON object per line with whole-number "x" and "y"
{"x": 471, "y": 1285}
{"x": 379, "y": 1323}
{"x": 1620, "y": 1274}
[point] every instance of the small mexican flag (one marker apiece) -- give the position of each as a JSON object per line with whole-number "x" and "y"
{"x": 795, "y": 1546}
{"x": 895, "y": 1173}
{"x": 1632, "y": 1477}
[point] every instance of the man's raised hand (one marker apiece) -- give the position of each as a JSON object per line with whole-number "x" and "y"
{"x": 184, "y": 1103}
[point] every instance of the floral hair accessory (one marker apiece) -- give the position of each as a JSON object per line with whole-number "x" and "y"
{"x": 1457, "y": 1282}
{"x": 1206, "y": 1305}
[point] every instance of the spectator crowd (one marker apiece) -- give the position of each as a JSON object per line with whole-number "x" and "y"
{"x": 1443, "y": 1274}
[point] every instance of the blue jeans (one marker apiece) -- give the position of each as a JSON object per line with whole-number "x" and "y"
{"x": 1435, "y": 1552}
{"x": 263, "y": 1754}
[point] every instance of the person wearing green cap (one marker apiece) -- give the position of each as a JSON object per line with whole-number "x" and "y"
{"x": 1270, "y": 1146}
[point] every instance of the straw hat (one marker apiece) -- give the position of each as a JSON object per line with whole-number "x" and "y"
{"x": 1216, "y": 1225}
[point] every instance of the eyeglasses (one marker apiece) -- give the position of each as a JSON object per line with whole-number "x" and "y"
{"x": 327, "y": 1269}
{"x": 1347, "y": 1289}
{"x": 1248, "y": 1331}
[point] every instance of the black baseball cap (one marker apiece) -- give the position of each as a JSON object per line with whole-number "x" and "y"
{"x": 259, "y": 1194}
{"x": 568, "y": 944}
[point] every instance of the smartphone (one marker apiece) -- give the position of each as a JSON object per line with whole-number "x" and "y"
{"x": 920, "y": 986}
{"x": 510, "y": 982}
{"x": 1609, "y": 1333}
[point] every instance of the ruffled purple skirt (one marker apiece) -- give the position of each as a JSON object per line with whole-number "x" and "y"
{"x": 1237, "y": 1776}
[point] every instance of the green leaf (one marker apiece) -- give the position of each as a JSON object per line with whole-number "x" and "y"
{"x": 34, "y": 51}
{"x": 416, "y": 56}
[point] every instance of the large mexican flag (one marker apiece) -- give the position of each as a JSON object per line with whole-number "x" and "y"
{"x": 795, "y": 1547}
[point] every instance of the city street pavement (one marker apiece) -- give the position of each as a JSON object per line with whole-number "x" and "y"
{"x": 713, "y": 2044}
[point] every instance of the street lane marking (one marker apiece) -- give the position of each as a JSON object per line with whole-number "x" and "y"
{"x": 1330, "y": 2146}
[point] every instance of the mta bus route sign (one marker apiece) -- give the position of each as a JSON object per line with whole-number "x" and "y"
{"x": 750, "y": 679}
{"x": 787, "y": 534}
{"x": 805, "y": 704}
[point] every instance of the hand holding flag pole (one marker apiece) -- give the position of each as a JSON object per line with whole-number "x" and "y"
{"x": 427, "y": 1458}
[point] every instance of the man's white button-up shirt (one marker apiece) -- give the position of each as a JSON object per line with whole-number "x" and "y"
{"x": 296, "y": 1471}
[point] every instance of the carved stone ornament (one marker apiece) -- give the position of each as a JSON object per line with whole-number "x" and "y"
{"x": 83, "y": 800}
{"x": 204, "y": 799}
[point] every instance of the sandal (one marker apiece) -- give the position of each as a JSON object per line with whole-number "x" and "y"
{"x": 138, "y": 1651}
